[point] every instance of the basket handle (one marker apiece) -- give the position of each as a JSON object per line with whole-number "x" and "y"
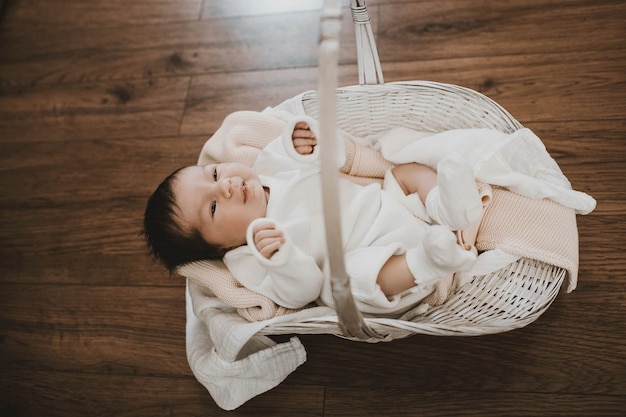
{"x": 370, "y": 71}
{"x": 350, "y": 318}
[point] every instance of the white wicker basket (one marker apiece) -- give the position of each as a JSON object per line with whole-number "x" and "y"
{"x": 501, "y": 301}
{"x": 505, "y": 300}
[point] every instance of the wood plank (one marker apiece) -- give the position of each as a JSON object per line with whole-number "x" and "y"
{"x": 533, "y": 87}
{"x": 599, "y": 261}
{"x": 435, "y": 30}
{"x": 411, "y": 401}
{"x": 140, "y": 331}
{"x": 97, "y": 189}
{"x": 94, "y": 329}
{"x": 212, "y": 97}
{"x": 139, "y": 52}
{"x": 34, "y": 393}
{"x": 584, "y": 152}
{"x": 88, "y": 110}
{"x": 549, "y": 355}
{"x": 113, "y": 266}
{"x": 238, "y": 44}
{"x": 118, "y": 168}
{"x": 43, "y": 13}
{"x": 540, "y": 95}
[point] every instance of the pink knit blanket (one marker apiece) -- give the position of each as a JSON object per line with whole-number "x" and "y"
{"x": 537, "y": 229}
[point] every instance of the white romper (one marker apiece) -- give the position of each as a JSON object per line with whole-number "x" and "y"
{"x": 375, "y": 226}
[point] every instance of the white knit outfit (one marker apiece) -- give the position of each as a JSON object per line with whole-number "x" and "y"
{"x": 455, "y": 202}
{"x": 374, "y": 224}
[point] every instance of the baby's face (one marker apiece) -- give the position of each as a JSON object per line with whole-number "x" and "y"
{"x": 220, "y": 201}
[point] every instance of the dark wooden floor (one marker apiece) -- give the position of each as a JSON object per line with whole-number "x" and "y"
{"x": 100, "y": 99}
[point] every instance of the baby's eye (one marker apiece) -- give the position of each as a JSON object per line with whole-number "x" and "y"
{"x": 215, "y": 174}
{"x": 213, "y": 207}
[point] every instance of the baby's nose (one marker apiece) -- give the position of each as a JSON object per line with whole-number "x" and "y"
{"x": 228, "y": 184}
{"x": 236, "y": 182}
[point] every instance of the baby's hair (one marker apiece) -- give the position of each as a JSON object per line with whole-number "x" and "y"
{"x": 168, "y": 242}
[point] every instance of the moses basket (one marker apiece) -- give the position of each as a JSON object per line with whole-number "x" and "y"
{"x": 507, "y": 299}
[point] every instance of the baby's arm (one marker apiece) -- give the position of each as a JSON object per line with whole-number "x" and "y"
{"x": 288, "y": 276}
{"x": 267, "y": 238}
{"x": 360, "y": 160}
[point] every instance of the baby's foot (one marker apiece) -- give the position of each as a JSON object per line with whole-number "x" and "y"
{"x": 437, "y": 257}
{"x": 445, "y": 254}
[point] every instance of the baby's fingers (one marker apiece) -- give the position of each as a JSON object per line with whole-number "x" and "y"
{"x": 304, "y": 146}
{"x": 303, "y": 134}
{"x": 301, "y": 126}
{"x": 303, "y": 138}
{"x": 262, "y": 224}
{"x": 267, "y": 239}
{"x": 266, "y": 233}
{"x": 270, "y": 246}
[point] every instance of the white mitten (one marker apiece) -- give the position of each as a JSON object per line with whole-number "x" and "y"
{"x": 438, "y": 256}
{"x": 455, "y": 201}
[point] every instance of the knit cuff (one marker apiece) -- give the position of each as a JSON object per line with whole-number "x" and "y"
{"x": 350, "y": 154}
{"x": 288, "y": 139}
{"x": 279, "y": 258}
{"x": 315, "y": 155}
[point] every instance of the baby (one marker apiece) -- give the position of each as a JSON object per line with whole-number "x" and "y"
{"x": 268, "y": 226}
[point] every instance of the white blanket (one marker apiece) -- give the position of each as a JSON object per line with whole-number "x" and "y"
{"x": 517, "y": 161}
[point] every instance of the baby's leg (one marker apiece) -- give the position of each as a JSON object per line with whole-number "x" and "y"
{"x": 410, "y": 184}
{"x": 436, "y": 258}
{"x": 448, "y": 197}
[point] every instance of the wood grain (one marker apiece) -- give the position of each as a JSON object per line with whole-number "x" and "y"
{"x": 99, "y": 329}
{"x": 462, "y": 29}
{"x": 36, "y": 393}
{"x": 79, "y": 111}
{"x": 406, "y": 402}
{"x": 174, "y": 48}
{"x": 100, "y": 100}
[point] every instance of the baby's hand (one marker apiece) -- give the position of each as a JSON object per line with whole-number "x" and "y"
{"x": 304, "y": 140}
{"x": 268, "y": 239}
